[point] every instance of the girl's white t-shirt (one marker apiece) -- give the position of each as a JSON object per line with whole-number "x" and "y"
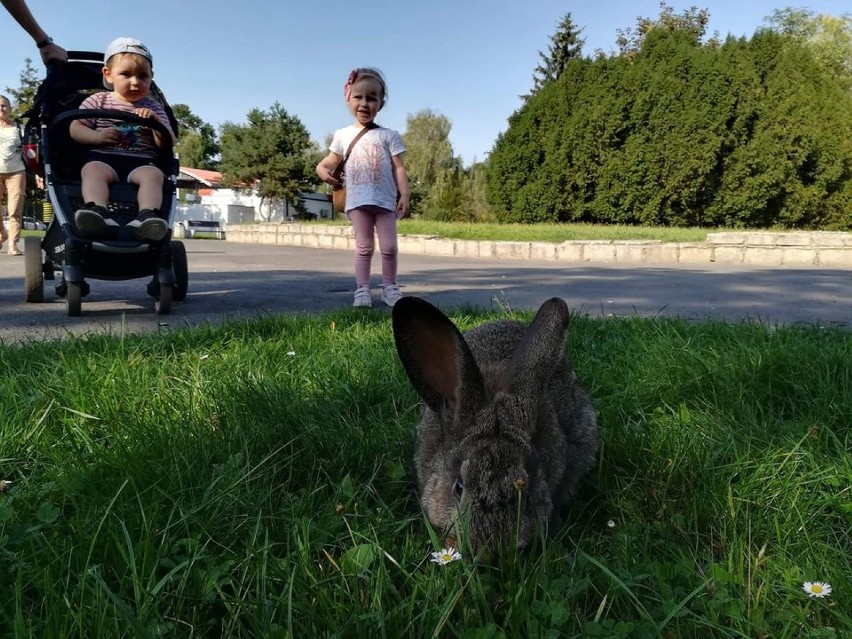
{"x": 11, "y": 160}
{"x": 369, "y": 170}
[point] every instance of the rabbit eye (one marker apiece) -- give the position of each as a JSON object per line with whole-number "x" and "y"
{"x": 458, "y": 488}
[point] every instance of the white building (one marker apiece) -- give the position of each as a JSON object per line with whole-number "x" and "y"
{"x": 202, "y": 197}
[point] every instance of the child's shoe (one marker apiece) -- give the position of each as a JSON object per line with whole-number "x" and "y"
{"x": 391, "y": 294}
{"x": 363, "y": 297}
{"x": 148, "y": 225}
{"x": 92, "y": 219}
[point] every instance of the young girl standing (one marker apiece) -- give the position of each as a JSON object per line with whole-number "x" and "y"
{"x": 376, "y": 182}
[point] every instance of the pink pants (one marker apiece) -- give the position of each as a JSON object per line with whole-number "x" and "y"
{"x": 368, "y": 221}
{"x": 13, "y": 185}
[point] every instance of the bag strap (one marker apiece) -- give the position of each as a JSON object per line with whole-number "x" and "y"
{"x": 338, "y": 171}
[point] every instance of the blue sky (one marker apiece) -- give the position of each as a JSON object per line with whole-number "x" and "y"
{"x": 466, "y": 59}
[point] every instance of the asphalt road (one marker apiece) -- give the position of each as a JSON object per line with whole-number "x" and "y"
{"x": 229, "y": 280}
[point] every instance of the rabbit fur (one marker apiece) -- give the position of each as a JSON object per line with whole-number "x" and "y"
{"x": 506, "y": 431}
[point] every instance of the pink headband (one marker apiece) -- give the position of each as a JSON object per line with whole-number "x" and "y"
{"x": 355, "y": 74}
{"x": 347, "y": 88}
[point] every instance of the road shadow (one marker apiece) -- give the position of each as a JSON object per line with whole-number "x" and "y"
{"x": 229, "y": 282}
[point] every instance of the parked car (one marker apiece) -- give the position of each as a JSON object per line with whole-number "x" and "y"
{"x": 29, "y": 224}
{"x": 32, "y": 224}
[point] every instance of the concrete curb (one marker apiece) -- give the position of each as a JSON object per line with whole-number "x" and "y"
{"x": 794, "y": 249}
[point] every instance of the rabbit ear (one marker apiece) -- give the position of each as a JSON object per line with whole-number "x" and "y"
{"x": 540, "y": 350}
{"x": 435, "y": 356}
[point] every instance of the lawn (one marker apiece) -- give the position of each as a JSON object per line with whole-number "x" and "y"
{"x": 482, "y": 231}
{"x": 543, "y": 232}
{"x": 255, "y": 480}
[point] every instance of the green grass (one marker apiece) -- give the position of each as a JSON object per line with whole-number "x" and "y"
{"x": 255, "y": 480}
{"x": 550, "y": 232}
{"x": 482, "y": 231}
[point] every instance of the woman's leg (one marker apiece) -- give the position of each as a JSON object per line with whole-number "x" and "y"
{"x": 3, "y": 234}
{"x": 363, "y": 225}
{"x": 388, "y": 246}
{"x": 16, "y": 185}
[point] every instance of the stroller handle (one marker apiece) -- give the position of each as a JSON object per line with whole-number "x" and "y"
{"x": 75, "y": 56}
{"x": 166, "y": 150}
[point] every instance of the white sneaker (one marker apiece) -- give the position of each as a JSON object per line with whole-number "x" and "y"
{"x": 391, "y": 294}
{"x": 363, "y": 297}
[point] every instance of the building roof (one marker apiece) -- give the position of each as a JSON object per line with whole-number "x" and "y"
{"x": 205, "y": 182}
{"x": 202, "y": 176}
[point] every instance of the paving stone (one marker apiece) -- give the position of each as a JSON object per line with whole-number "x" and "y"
{"x": 794, "y": 248}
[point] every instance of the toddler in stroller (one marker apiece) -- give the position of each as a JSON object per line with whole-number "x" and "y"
{"x": 125, "y": 151}
{"x": 110, "y": 173}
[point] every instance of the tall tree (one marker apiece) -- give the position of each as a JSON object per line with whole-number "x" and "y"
{"x": 474, "y": 203}
{"x": 446, "y": 196}
{"x": 692, "y": 21}
{"x": 428, "y": 153}
{"x": 24, "y": 95}
{"x": 190, "y": 151}
{"x": 197, "y": 146}
{"x": 830, "y": 37}
{"x": 565, "y": 45}
{"x": 271, "y": 156}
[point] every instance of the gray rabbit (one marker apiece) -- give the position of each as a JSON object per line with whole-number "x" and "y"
{"x": 506, "y": 431}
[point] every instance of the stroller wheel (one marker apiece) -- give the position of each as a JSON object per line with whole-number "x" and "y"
{"x": 73, "y": 298}
{"x": 163, "y": 302}
{"x": 181, "y": 270}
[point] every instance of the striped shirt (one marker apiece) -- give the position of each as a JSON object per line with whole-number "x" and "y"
{"x": 135, "y": 139}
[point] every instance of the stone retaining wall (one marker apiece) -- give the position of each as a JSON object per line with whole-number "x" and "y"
{"x": 821, "y": 248}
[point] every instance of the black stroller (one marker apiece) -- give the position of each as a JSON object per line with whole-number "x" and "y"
{"x": 52, "y": 153}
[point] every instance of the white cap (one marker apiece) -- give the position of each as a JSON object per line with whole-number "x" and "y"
{"x": 126, "y": 45}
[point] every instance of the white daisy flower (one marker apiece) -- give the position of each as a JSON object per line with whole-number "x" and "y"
{"x": 817, "y": 589}
{"x": 446, "y": 555}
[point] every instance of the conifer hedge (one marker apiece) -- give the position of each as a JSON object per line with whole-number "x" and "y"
{"x": 749, "y": 133}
